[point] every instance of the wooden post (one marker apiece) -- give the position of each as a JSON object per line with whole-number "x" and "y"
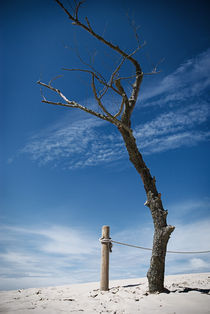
{"x": 105, "y": 247}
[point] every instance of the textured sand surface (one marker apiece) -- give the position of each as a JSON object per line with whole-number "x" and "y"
{"x": 188, "y": 294}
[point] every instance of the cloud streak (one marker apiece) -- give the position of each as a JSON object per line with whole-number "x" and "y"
{"x": 57, "y": 255}
{"x": 189, "y": 80}
{"x": 174, "y": 129}
{"x": 182, "y": 122}
{"x": 191, "y": 236}
{"x": 85, "y": 144}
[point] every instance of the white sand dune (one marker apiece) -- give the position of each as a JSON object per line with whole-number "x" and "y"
{"x": 188, "y": 294}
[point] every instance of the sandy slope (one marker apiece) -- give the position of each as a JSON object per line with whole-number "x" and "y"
{"x": 188, "y": 294}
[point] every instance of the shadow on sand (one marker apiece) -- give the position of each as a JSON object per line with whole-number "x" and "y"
{"x": 188, "y": 289}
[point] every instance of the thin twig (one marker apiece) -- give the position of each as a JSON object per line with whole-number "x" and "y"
{"x": 55, "y": 78}
{"x": 77, "y": 8}
{"x": 100, "y": 38}
{"x": 89, "y": 65}
{"x": 74, "y": 104}
{"x": 152, "y": 73}
{"x": 121, "y": 109}
{"x": 96, "y": 76}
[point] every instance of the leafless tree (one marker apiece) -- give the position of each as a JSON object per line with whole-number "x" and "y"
{"x": 122, "y": 120}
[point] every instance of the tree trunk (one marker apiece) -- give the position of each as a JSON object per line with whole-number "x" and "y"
{"x": 162, "y": 231}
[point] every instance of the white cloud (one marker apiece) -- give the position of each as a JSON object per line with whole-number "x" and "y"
{"x": 173, "y": 129}
{"x": 87, "y": 142}
{"x": 67, "y": 241}
{"x": 56, "y": 255}
{"x": 84, "y": 143}
{"x": 62, "y": 141}
{"x": 56, "y": 239}
{"x": 41, "y": 257}
{"x": 189, "y": 80}
{"x": 174, "y": 141}
{"x": 198, "y": 263}
{"x": 133, "y": 262}
{"x": 78, "y": 144}
{"x": 174, "y": 121}
{"x": 185, "y": 208}
{"x": 188, "y": 236}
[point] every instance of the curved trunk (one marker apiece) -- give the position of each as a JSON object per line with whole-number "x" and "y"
{"x": 162, "y": 231}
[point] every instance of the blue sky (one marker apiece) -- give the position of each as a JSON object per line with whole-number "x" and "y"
{"x": 64, "y": 173}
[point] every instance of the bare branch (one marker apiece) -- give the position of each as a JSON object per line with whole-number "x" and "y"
{"x": 58, "y": 92}
{"x": 69, "y": 2}
{"x": 116, "y": 71}
{"x": 67, "y": 12}
{"x": 100, "y": 38}
{"x": 77, "y": 8}
{"x": 42, "y": 94}
{"x": 104, "y": 91}
{"x": 101, "y": 105}
{"x": 121, "y": 90}
{"x": 127, "y": 77}
{"x": 135, "y": 28}
{"x": 121, "y": 109}
{"x": 89, "y": 65}
{"x": 88, "y": 23}
{"x": 96, "y": 95}
{"x": 152, "y": 73}
{"x": 70, "y": 103}
{"x": 55, "y": 78}
{"x": 92, "y": 56}
{"x": 154, "y": 70}
{"x": 102, "y": 81}
{"x": 79, "y": 107}
{"x": 139, "y": 74}
{"x": 156, "y": 66}
{"x": 74, "y": 104}
{"x": 80, "y": 70}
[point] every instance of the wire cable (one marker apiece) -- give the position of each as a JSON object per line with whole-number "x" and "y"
{"x": 149, "y": 249}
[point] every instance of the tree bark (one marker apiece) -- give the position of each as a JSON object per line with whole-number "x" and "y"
{"x": 162, "y": 231}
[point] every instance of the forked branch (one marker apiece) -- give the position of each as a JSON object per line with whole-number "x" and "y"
{"x": 127, "y": 103}
{"x": 104, "y": 91}
{"x": 138, "y": 71}
{"x": 74, "y": 104}
{"x": 88, "y": 28}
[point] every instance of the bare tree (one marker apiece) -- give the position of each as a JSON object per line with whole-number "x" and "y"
{"x": 122, "y": 120}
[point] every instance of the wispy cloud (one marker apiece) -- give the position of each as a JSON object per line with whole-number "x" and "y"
{"x": 56, "y": 255}
{"x": 132, "y": 262}
{"x": 81, "y": 143}
{"x": 84, "y": 143}
{"x": 174, "y": 129}
{"x": 189, "y": 80}
{"x": 193, "y": 208}
{"x": 181, "y": 122}
{"x": 188, "y": 236}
